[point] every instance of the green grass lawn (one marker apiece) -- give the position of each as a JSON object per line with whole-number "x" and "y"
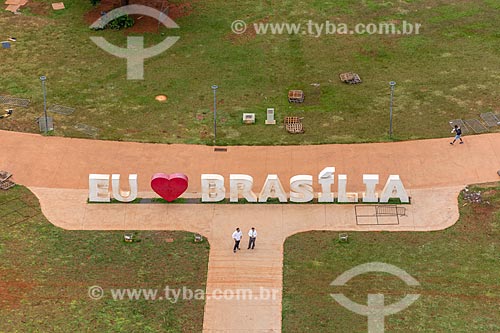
{"x": 46, "y": 272}
{"x": 458, "y": 270}
{"x": 449, "y": 71}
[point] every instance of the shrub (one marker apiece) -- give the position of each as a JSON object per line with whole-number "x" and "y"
{"x": 121, "y": 22}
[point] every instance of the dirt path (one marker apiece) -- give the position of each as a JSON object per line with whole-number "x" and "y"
{"x": 56, "y": 170}
{"x": 55, "y": 162}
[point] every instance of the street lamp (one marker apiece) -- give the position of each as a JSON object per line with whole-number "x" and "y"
{"x": 392, "y": 84}
{"x": 43, "y": 79}
{"x": 214, "y": 88}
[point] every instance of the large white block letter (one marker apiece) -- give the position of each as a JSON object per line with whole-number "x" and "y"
{"x": 371, "y": 182}
{"x": 326, "y": 179}
{"x": 301, "y": 189}
{"x": 212, "y": 188}
{"x": 241, "y": 186}
{"x": 343, "y": 195}
{"x": 394, "y": 189}
{"x": 272, "y": 189}
{"x": 99, "y": 188}
{"x": 124, "y": 196}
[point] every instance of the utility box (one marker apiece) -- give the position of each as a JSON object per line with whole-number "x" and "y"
{"x": 249, "y": 118}
{"x": 270, "y": 117}
{"x": 41, "y": 124}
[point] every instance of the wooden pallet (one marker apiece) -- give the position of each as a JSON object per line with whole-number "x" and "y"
{"x": 4, "y": 175}
{"x": 350, "y": 78}
{"x": 295, "y": 96}
{"x": 7, "y": 184}
{"x": 294, "y": 125}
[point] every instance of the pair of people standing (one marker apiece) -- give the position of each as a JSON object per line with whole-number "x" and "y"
{"x": 237, "y": 235}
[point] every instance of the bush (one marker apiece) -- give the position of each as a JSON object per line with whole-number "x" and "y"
{"x": 94, "y": 2}
{"x": 121, "y": 22}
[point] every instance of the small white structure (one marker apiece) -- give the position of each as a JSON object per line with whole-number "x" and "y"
{"x": 270, "y": 117}
{"x": 212, "y": 188}
{"x": 241, "y": 186}
{"x": 249, "y": 118}
{"x": 371, "y": 182}
{"x": 301, "y": 188}
{"x": 343, "y": 195}
{"x": 272, "y": 189}
{"x": 394, "y": 189}
{"x": 99, "y": 189}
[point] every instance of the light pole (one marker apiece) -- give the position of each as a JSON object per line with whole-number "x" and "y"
{"x": 43, "y": 79}
{"x": 214, "y": 88}
{"x": 392, "y": 84}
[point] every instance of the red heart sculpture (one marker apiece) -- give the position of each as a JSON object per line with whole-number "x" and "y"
{"x": 169, "y": 187}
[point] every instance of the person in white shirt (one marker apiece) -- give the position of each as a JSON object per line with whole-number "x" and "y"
{"x": 252, "y": 234}
{"x": 237, "y": 238}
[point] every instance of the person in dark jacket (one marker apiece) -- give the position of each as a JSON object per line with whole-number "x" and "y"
{"x": 458, "y": 134}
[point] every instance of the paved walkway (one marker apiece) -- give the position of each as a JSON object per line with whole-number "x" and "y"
{"x": 56, "y": 170}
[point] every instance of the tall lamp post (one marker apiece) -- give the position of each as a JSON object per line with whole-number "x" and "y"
{"x": 214, "y": 88}
{"x": 43, "y": 79}
{"x": 392, "y": 84}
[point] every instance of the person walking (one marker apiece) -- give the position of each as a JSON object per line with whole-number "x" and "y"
{"x": 252, "y": 234}
{"x": 458, "y": 134}
{"x": 237, "y": 238}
